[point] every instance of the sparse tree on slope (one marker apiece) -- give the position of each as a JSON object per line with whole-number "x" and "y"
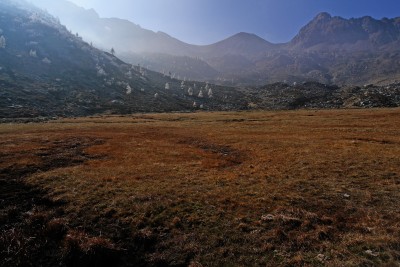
{"x": 2, "y": 42}
{"x": 201, "y": 93}
{"x": 46, "y": 60}
{"x": 128, "y": 89}
{"x": 32, "y": 53}
{"x": 190, "y": 91}
{"x": 210, "y": 93}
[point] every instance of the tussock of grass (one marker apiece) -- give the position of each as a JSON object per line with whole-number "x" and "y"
{"x": 254, "y": 188}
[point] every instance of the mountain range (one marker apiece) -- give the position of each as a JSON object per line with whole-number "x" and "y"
{"x": 328, "y": 49}
{"x": 47, "y": 71}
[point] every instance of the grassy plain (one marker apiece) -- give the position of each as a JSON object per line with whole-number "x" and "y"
{"x": 290, "y": 188}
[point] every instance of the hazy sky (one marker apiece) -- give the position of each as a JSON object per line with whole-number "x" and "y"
{"x": 208, "y": 21}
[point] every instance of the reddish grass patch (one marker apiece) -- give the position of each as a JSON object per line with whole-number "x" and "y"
{"x": 304, "y": 188}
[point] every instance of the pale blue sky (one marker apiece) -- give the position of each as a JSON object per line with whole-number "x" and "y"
{"x": 208, "y": 21}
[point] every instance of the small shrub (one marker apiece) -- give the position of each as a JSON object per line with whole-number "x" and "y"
{"x": 56, "y": 228}
{"x": 83, "y": 250}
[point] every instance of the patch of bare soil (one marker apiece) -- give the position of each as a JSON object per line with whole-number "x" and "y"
{"x": 226, "y": 155}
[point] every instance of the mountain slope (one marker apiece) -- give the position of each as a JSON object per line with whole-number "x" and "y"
{"x": 47, "y": 71}
{"x": 180, "y": 67}
{"x": 335, "y": 50}
{"x": 123, "y": 35}
{"x": 328, "y": 49}
{"x": 338, "y": 51}
{"x": 242, "y": 44}
{"x": 365, "y": 33}
{"x": 155, "y": 50}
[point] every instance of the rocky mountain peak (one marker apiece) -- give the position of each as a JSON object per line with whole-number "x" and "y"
{"x": 246, "y": 35}
{"x": 323, "y": 16}
{"x": 240, "y": 44}
{"x": 364, "y": 33}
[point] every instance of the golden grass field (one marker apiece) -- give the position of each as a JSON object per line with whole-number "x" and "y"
{"x": 288, "y": 188}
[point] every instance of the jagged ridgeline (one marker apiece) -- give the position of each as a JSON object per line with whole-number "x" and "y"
{"x": 328, "y": 49}
{"x": 45, "y": 70}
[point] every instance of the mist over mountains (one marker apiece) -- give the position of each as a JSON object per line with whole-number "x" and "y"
{"x": 328, "y": 49}
{"x": 48, "y": 71}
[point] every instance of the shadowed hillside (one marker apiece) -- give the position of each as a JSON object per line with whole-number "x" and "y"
{"x": 47, "y": 71}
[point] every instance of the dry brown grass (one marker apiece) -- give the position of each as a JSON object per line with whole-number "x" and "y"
{"x": 303, "y": 188}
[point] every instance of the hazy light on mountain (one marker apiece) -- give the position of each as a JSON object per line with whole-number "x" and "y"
{"x": 208, "y": 21}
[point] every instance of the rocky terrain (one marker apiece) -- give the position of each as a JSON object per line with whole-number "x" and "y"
{"x": 322, "y": 96}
